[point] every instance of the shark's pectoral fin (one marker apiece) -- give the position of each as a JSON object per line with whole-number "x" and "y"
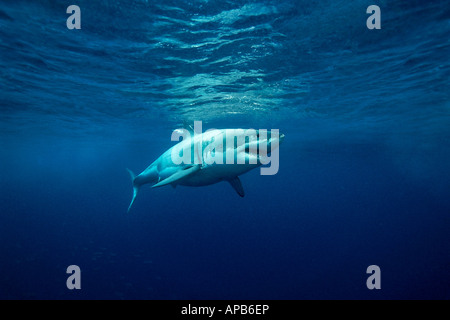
{"x": 237, "y": 185}
{"x": 178, "y": 175}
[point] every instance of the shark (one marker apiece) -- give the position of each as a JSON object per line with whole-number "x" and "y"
{"x": 216, "y": 155}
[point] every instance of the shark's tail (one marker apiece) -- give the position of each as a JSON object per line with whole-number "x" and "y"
{"x": 135, "y": 188}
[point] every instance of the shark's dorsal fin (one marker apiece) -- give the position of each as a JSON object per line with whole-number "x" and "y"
{"x": 188, "y": 127}
{"x": 178, "y": 175}
{"x": 237, "y": 185}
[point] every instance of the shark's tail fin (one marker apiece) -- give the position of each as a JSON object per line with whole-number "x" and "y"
{"x": 135, "y": 188}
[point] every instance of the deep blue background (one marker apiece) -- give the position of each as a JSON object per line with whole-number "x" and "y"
{"x": 364, "y": 169}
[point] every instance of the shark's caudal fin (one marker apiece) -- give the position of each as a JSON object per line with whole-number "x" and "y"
{"x": 135, "y": 188}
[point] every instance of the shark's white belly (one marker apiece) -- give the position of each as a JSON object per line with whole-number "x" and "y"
{"x": 216, "y": 173}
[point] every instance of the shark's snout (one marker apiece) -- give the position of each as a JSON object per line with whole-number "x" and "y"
{"x": 277, "y": 139}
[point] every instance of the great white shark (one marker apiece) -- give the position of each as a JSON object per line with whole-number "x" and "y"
{"x": 202, "y": 159}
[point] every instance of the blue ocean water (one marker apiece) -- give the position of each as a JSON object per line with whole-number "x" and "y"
{"x": 364, "y": 175}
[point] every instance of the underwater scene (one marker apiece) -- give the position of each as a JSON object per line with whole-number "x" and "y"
{"x": 343, "y": 107}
